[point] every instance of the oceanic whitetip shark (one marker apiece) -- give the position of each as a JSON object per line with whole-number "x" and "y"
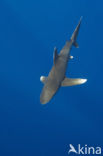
{"x": 56, "y": 77}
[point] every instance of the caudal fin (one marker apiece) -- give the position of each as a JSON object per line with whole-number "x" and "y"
{"x": 75, "y": 34}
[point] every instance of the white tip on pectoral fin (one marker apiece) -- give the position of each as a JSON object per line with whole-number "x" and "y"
{"x": 81, "y": 81}
{"x": 72, "y": 82}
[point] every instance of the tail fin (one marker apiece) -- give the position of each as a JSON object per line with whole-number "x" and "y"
{"x": 75, "y": 34}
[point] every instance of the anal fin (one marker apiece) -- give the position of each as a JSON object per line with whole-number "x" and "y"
{"x": 76, "y": 44}
{"x": 72, "y": 82}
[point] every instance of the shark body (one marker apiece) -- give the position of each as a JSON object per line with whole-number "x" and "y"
{"x": 56, "y": 77}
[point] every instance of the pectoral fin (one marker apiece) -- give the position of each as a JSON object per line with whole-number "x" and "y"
{"x": 72, "y": 82}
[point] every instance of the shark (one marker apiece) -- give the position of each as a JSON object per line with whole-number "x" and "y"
{"x": 57, "y": 75}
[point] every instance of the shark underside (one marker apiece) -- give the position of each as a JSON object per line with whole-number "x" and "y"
{"x": 56, "y": 77}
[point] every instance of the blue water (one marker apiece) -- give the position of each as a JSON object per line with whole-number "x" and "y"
{"x": 29, "y": 31}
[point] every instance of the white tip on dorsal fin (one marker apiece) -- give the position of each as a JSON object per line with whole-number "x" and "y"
{"x": 43, "y": 79}
{"x": 71, "y": 57}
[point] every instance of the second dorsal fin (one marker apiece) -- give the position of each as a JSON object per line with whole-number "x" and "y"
{"x": 55, "y": 55}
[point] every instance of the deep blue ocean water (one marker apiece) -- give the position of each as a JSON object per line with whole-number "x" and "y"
{"x": 29, "y": 31}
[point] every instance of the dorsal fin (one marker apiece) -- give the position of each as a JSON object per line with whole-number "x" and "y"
{"x": 43, "y": 79}
{"x": 55, "y": 55}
